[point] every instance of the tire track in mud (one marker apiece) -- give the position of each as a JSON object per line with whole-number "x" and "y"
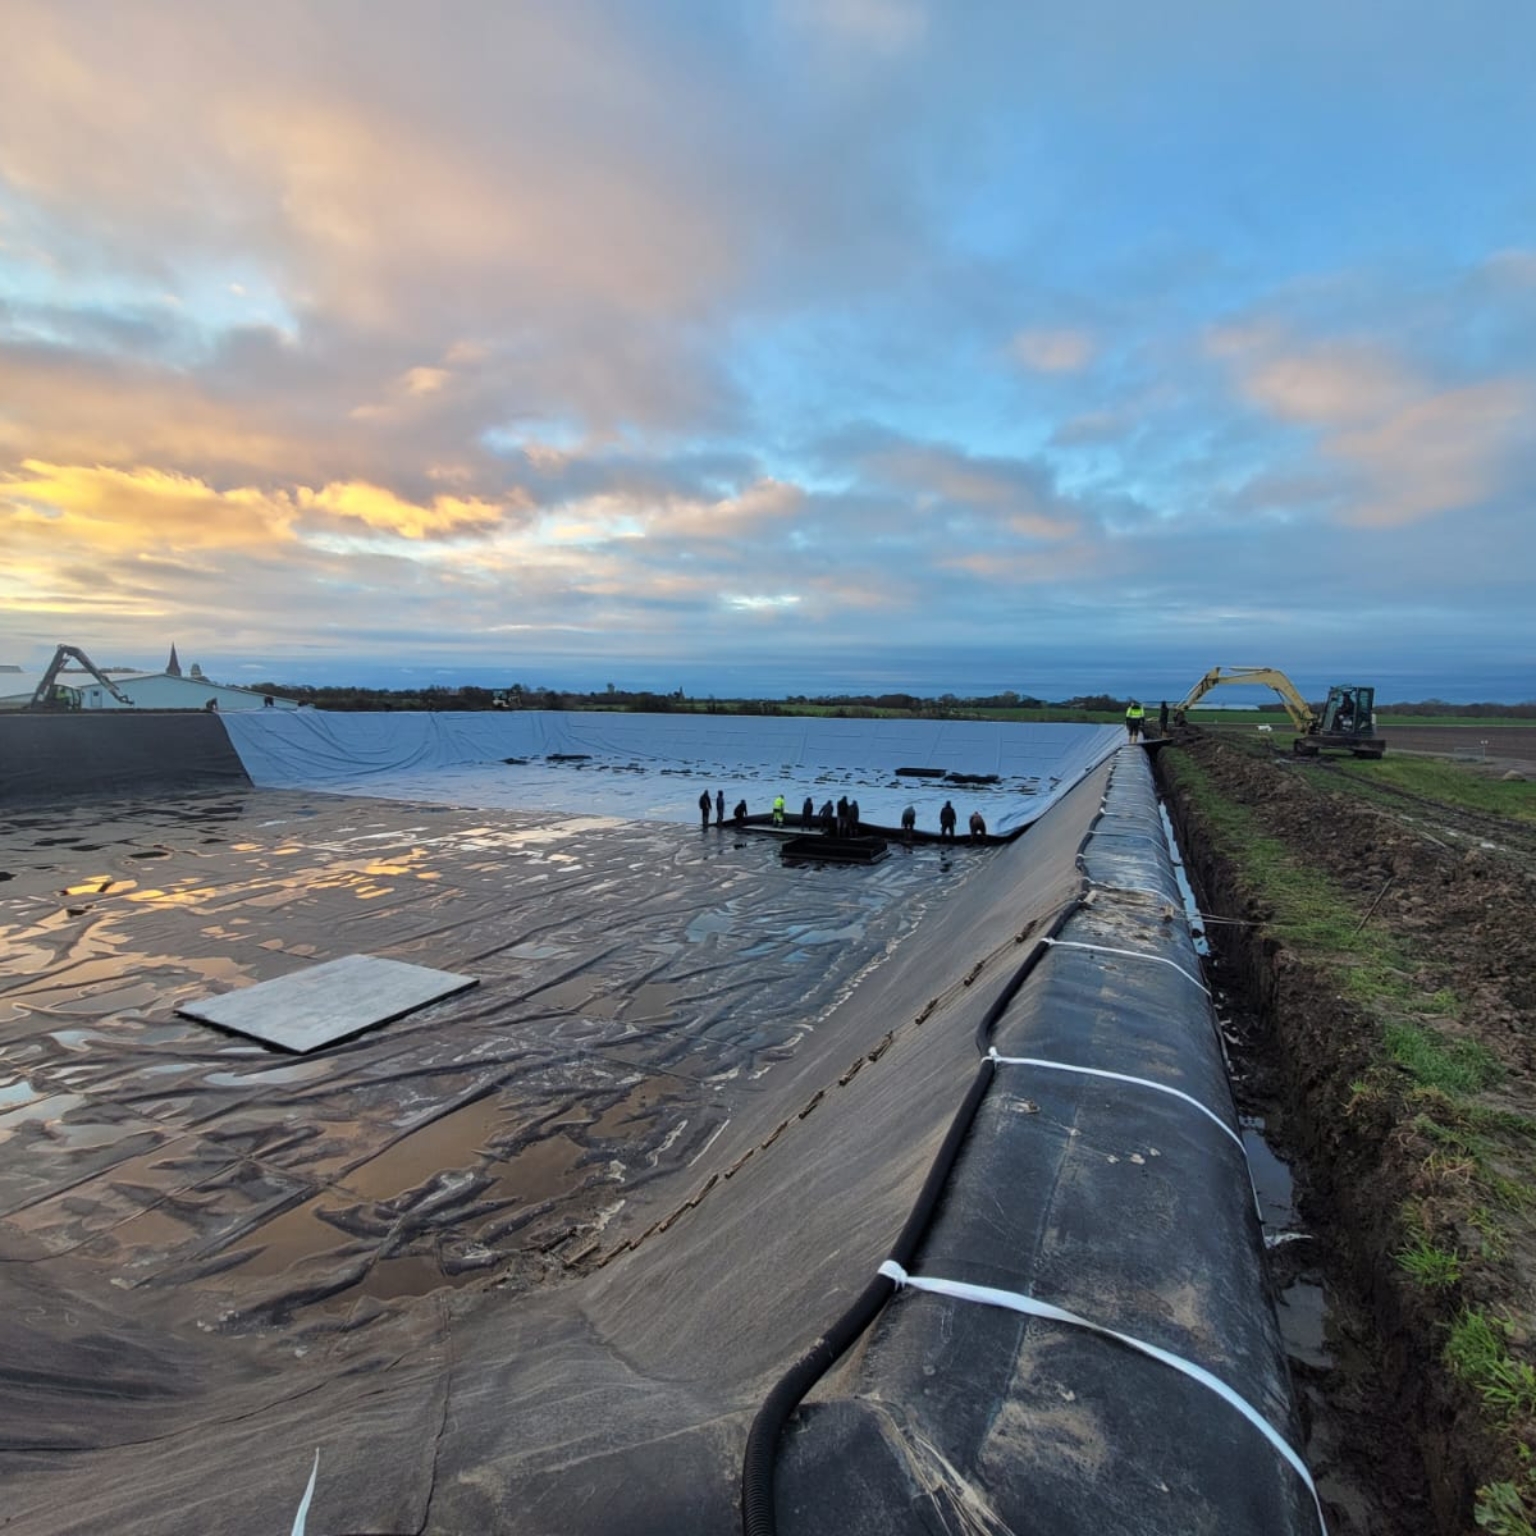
{"x": 1505, "y": 834}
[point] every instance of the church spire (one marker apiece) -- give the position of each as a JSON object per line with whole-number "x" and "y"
{"x": 173, "y": 666}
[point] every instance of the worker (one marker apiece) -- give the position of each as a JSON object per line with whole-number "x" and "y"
{"x": 828, "y": 818}
{"x": 978, "y": 827}
{"x": 1134, "y": 715}
{"x": 739, "y": 815}
{"x": 1162, "y": 718}
{"x": 719, "y": 807}
{"x": 947, "y": 820}
{"x": 704, "y": 810}
{"x": 842, "y": 815}
{"x": 908, "y": 823}
{"x": 853, "y": 818}
{"x": 778, "y": 810}
{"x": 807, "y": 813}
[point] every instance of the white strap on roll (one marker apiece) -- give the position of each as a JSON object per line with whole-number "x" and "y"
{"x": 1130, "y": 954}
{"x": 1118, "y": 1077}
{"x": 1016, "y": 1301}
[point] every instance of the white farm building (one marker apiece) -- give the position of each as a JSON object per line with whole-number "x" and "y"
{"x": 82, "y": 688}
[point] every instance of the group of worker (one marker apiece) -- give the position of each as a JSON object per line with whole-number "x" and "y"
{"x": 839, "y": 820}
{"x": 1135, "y": 717}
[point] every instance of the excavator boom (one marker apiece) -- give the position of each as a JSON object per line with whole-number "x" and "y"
{"x": 1301, "y": 713}
{"x": 1347, "y": 721}
{"x": 43, "y": 695}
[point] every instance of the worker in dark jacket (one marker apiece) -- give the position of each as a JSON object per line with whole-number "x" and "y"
{"x": 978, "y": 827}
{"x": 947, "y": 820}
{"x": 704, "y": 804}
{"x": 807, "y": 813}
{"x": 1162, "y": 718}
{"x": 719, "y": 807}
{"x": 739, "y": 815}
{"x": 908, "y": 823}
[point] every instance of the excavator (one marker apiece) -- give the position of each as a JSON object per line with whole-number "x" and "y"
{"x": 1347, "y": 723}
{"x": 47, "y": 695}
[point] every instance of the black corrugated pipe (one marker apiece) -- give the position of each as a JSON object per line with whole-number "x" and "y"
{"x": 758, "y": 1516}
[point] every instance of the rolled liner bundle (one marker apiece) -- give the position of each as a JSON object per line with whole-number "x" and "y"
{"x": 1164, "y": 1406}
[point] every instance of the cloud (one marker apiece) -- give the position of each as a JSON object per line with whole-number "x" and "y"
{"x": 1437, "y": 454}
{"x": 1405, "y": 447}
{"x": 1059, "y": 351}
{"x": 884, "y": 26}
{"x": 383, "y": 511}
{"x": 659, "y": 331}
{"x": 990, "y": 495}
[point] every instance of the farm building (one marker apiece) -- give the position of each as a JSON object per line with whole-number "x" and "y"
{"x": 79, "y": 688}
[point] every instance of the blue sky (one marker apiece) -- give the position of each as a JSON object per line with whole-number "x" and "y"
{"x": 806, "y": 343}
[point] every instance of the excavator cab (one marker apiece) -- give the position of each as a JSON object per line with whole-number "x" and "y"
{"x": 1348, "y": 723}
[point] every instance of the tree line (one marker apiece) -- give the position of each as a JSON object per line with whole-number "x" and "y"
{"x": 840, "y": 705}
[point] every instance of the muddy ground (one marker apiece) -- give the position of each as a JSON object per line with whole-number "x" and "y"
{"x": 1506, "y": 746}
{"x": 1410, "y": 1442}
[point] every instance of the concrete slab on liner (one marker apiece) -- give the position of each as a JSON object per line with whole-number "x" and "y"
{"x": 328, "y": 1002}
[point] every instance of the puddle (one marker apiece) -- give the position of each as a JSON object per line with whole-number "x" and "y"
{"x": 849, "y": 934}
{"x": 611, "y": 1124}
{"x": 571, "y": 993}
{"x": 277, "y": 1245}
{"x": 707, "y": 923}
{"x": 1304, "y": 1323}
{"x": 1272, "y": 1180}
{"x": 263, "y": 1077}
{"x": 39, "y": 1112}
{"x": 409, "y": 1275}
{"x": 19, "y": 1092}
{"x": 649, "y": 1002}
{"x": 541, "y": 1171}
{"x": 95, "y": 1004}
{"x": 455, "y": 1140}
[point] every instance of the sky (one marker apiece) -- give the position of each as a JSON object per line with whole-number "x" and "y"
{"x": 790, "y": 346}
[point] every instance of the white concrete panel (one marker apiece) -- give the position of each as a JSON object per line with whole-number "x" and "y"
{"x": 328, "y": 1002}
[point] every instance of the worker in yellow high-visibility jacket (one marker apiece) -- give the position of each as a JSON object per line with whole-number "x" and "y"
{"x": 778, "y": 810}
{"x": 1134, "y": 715}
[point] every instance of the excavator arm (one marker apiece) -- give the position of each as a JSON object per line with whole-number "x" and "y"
{"x": 42, "y": 696}
{"x": 1302, "y": 716}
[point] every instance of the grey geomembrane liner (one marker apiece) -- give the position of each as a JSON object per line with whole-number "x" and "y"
{"x": 327, "y": 1003}
{"x": 533, "y": 1264}
{"x": 652, "y": 767}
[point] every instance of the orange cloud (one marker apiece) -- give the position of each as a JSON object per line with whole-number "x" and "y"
{"x": 102, "y": 510}
{"x": 1412, "y": 451}
{"x": 117, "y": 509}
{"x": 381, "y": 509}
{"x": 1437, "y": 454}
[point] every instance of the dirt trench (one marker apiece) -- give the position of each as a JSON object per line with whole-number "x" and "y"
{"x": 1412, "y": 1437}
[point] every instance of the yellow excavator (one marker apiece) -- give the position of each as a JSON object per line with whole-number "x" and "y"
{"x": 50, "y": 695}
{"x": 1347, "y": 723}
